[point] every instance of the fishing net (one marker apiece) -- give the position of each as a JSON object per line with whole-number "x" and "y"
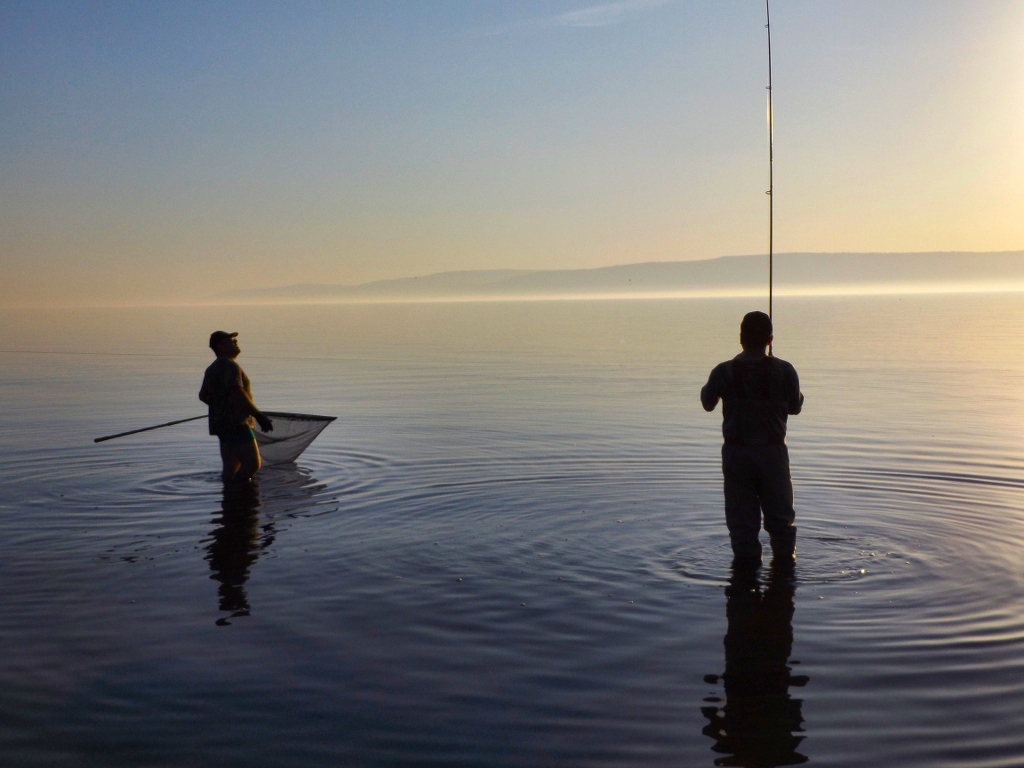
{"x": 292, "y": 434}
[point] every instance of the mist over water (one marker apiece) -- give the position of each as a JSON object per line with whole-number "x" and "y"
{"x": 509, "y": 549}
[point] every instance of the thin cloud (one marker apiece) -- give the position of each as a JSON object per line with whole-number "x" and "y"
{"x": 603, "y": 15}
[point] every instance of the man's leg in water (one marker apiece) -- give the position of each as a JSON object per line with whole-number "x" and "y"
{"x": 742, "y": 506}
{"x": 230, "y": 460}
{"x": 249, "y": 457}
{"x": 777, "y": 500}
{"x": 241, "y": 460}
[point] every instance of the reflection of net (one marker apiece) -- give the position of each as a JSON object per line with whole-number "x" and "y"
{"x": 293, "y": 432}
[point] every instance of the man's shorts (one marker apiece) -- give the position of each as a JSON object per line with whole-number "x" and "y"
{"x": 239, "y": 435}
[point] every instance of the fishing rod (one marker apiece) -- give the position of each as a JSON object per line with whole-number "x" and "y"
{"x": 771, "y": 167}
{"x": 146, "y": 429}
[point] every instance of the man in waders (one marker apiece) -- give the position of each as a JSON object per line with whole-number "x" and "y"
{"x": 758, "y": 393}
{"x": 232, "y": 412}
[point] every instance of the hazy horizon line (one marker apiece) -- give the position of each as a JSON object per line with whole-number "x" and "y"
{"x": 805, "y": 291}
{"x": 764, "y": 255}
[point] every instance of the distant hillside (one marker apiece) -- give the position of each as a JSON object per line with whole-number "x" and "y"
{"x": 794, "y": 273}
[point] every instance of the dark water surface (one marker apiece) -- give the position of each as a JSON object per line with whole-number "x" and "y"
{"x": 509, "y": 549}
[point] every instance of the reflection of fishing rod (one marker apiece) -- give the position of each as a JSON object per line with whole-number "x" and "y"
{"x": 771, "y": 163}
{"x": 146, "y": 429}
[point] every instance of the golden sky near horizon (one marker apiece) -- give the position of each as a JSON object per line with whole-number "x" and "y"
{"x": 169, "y": 153}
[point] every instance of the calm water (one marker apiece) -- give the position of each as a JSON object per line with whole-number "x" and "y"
{"x": 509, "y": 549}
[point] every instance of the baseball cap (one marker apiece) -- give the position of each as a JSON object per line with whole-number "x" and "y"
{"x": 218, "y": 336}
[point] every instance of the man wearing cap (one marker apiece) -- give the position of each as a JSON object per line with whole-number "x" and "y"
{"x": 232, "y": 412}
{"x": 758, "y": 393}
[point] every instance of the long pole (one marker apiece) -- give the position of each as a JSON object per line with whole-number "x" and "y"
{"x": 146, "y": 429}
{"x": 771, "y": 167}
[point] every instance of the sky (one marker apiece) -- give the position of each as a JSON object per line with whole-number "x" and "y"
{"x": 170, "y": 151}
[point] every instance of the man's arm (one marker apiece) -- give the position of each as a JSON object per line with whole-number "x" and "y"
{"x": 204, "y": 391}
{"x": 711, "y": 392}
{"x": 239, "y": 400}
{"x": 796, "y": 397}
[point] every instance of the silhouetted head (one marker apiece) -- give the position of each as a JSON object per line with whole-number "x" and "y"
{"x": 755, "y": 330}
{"x": 224, "y": 344}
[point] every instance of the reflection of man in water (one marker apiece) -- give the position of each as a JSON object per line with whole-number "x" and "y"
{"x": 232, "y": 412}
{"x": 758, "y": 393}
{"x": 236, "y": 545}
{"x": 758, "y": 722}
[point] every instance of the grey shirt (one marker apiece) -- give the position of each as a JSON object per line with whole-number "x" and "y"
{"x": 758, "y": 395}
{"x": 223, "y": 376}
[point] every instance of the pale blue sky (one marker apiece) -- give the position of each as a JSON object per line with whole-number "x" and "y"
{"x": 166, "y": 151}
